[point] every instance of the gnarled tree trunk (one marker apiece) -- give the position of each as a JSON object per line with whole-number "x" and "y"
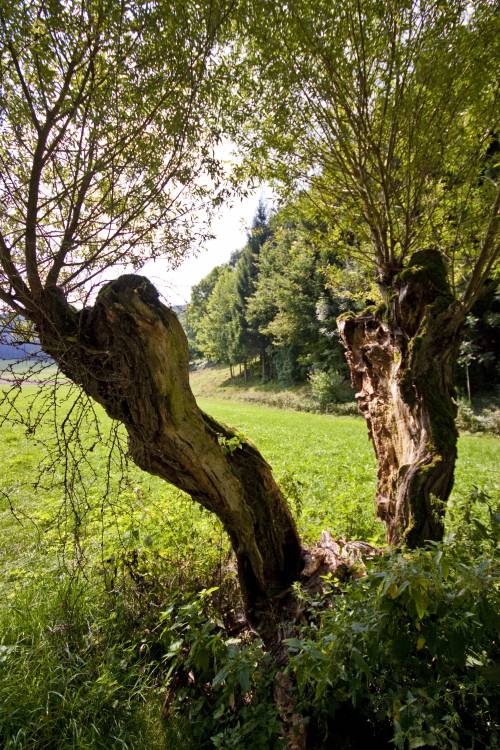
{"x": 130, "y": 354}
{"x": 401, "y": 357}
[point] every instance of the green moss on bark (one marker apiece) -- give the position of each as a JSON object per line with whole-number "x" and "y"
{"x": 426, "y": 266}
{"x": 401, "y": 355}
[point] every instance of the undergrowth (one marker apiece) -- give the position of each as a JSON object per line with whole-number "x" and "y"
{"x": 406, "y": 657}
{"x": 69, "y": 674}
{"x": 149, "y": 623}
{"x": 485, "y": 420}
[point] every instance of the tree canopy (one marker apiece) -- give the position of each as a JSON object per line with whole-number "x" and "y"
{"x": 390, "y": 111}
{"x": 108, "y": 127}
{"x": 110, "y": 123}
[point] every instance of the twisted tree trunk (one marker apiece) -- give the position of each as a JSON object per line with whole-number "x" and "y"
{"x": 401, "y": 357}
{"x": 130, "y": 354}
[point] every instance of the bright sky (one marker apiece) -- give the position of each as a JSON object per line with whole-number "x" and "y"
{"x": 230, "y": 231}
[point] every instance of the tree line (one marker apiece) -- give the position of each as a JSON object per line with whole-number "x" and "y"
{"x": 270, "y": 313}
{"x": 271, "y": 310}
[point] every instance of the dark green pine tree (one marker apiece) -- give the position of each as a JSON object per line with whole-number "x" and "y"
{"x": 252, "y": 343}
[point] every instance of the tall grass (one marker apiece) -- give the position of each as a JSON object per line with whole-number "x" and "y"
{"x": 70, "y": 674}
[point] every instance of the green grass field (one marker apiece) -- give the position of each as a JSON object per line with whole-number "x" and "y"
{"x": 30, "y": 369}
{"x": 324, "y": 463}
{"x": 76, "y": 629}
{"x": 214, "y": 382}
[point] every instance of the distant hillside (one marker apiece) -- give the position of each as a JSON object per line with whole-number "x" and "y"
{"x": 20, "y": 351}
{"x": 13, "y": 348}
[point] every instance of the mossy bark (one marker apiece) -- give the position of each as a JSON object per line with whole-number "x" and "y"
{"x": 130, "y": 354}
{"x": 401, "y": 357}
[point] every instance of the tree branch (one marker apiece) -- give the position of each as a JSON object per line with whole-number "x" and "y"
{"x": 488, "y": 256}
{"x": 11, "y": 271}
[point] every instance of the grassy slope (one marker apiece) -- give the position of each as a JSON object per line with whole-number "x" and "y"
{"x": 215, "y": 382}
{"x": 32, "y": 371}
{"x": 324, "y": 463}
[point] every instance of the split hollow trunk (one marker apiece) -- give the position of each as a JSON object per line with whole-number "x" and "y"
{"x": 401, "y": 357}
{"x": 129, "y": 352}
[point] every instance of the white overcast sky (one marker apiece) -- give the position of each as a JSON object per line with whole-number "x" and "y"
{"x": 230, "y": 231}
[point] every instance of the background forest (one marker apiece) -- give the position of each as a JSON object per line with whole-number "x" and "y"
{"x": 270, "y": 315}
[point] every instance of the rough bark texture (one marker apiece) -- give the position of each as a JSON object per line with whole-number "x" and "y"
{"x": 130, "y": 354}
{"x": 401, "y": 357}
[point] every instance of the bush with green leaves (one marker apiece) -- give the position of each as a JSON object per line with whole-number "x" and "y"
{"x": 410, "y": 652}
{"x": 220, "y": 688}
{"x": 329, "y": 387}
{"x": 346, "y": 409}
{"x": 485, "y": 420}
{"x": 407, "y": 656}
{"x": 490, "y": 420}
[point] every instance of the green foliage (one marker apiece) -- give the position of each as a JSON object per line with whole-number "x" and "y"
{"x": 278, "y": 302}
{"x": 329, "y": 387}
{"x": 69, "y": 676}
{"x": 486, "y": 420}
{"x": 229, "y": 445}
{"x": 285, "y": 365}
{"x": 221, "y": 687}
{"x": 474, "y": 521}
{"x": 409, "y": 651}
{"x": 292, "y": 303}
{"x": 197, "y": 309}
{"x": 293, "y": 490}
{"x": 394, "y": 132}
{"x": 110, "y": 108}
{"x": 218, "y": 331}
{"x": 252, "y": 341}
{"x": 479, "y": 359}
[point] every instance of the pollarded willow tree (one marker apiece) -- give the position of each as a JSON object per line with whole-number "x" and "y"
{"x": 389, "y": 112}
{"x": 108, "y": 124}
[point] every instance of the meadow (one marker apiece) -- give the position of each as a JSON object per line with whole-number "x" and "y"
{"x": 324, "y": 463}
{"x": 118, "y": 531}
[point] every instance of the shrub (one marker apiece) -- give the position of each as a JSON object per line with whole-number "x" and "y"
{"x": 409, "y": 654}
{"x": 466, "y": 417}
{"x": 220, "y": 688}
{"x": 348, "y": 409}
{"x": 329, "y": 387}
{"x": 489, "y": 420}
{"x": 486, "y": 420}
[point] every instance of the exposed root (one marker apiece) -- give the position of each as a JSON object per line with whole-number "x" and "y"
{"x": 339, "y": 558}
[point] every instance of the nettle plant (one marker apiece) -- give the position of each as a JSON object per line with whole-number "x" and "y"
{"x": 411, "y": 650}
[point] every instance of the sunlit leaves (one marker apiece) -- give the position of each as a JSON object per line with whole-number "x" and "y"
{"x": 387, "y": 110}
{"x": 107, "y": 121}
